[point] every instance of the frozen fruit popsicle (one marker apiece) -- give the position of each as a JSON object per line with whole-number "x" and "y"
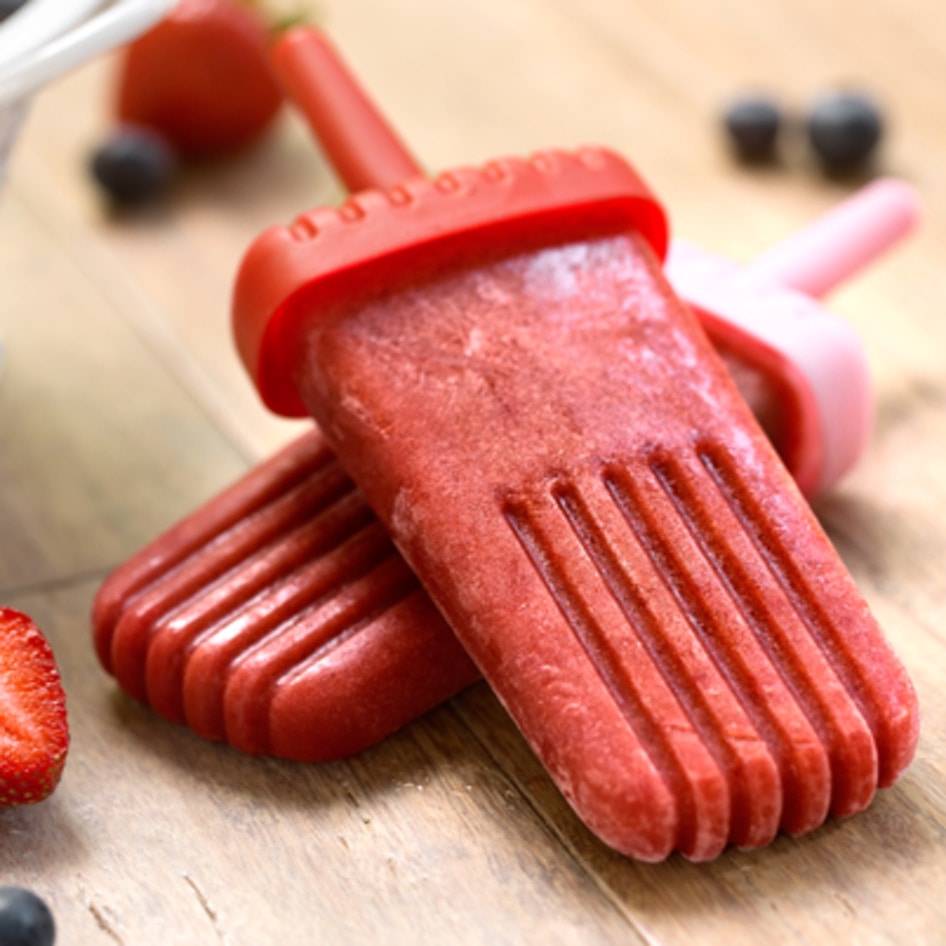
{"x": 229, "y": 622}
{"x": 279, "y": 617}
{"x": 547, "y": 435}
{"x": 262, "y": 699}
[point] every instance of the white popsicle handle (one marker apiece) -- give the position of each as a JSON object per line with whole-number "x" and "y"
{"x": 820, "y": 256}
{"x": 38, "y": 22}
{"x": 112, "y": 25}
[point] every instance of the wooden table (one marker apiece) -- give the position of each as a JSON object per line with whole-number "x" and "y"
{"x": 122, "y": 406}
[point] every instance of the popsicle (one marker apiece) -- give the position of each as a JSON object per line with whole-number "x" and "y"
{"x": 278, "y": 617}
{"x": 243, "y": 642}
{"x": 228, "y": 621}
{"x": 548, "y": 437}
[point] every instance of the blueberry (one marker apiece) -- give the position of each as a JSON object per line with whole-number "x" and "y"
{"x": 133, "y": 166}
{"x": 25, "y": 920}
{"x": 9, "y": 7}
{"x": 752, "y": 123}
{"x": 844, "y": 129}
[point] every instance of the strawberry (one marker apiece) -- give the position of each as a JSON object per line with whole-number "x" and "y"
{"x": 201, "y": 78}
{"x": 34, "y": 734}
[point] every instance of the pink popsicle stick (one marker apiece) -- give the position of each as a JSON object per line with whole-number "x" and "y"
{"x": 772, "y": 302}
{"x": 820, "y": 256}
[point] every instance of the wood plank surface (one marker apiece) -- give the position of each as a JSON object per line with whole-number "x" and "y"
{"x": 123, "y": 406}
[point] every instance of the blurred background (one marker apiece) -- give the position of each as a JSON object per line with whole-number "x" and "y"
{"x": 123, "y": 406}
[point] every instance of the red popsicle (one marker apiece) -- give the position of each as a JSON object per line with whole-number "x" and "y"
{"x": 547, "y": 435}
{"x": 262, "y": 653}
{"x": 235, "y": 670}
{"x": 278, "y": 617}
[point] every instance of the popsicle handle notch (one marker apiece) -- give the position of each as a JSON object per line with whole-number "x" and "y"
{"x": 363, "y": 148}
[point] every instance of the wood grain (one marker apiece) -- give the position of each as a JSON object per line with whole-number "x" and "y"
{"x": 123, "y": 406}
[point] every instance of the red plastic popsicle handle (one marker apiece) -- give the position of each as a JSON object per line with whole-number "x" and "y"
{"x": 366, "y": 152}
{"x": 403, "y": 219}
{"x": 362, "y": 146}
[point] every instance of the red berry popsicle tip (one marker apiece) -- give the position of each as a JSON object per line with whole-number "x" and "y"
{"x": 34, "y": 733}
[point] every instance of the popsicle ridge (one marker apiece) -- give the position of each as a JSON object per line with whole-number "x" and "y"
{"x": 692, "y": 797}
{"x": 747, "y": 673}
{"x": 319, "y": 538}
{"x": 736, "y": 664}
{"x": 770, "y": 768}
{"x": 129, "y": 639}
{"x": 237, "y": 622}
{"x": 746, "y": 696}
{"x": 782, "y": 625}
{"x": 885, "y": 700}
{"x": 656, "y": 739}
{"x": 721, "y": 722}
{"x": 192, "y": 536}
{"x": 299, "y": 619}
{"x": 358, "y": 687}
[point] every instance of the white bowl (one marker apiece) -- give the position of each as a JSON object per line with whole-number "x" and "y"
{"x": 46, "y": 38}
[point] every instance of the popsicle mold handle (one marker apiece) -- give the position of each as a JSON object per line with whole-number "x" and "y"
{"x": 769, "y": 311}
{"x": 361, "y": 145}
{"x": 290, "y": 272}
{"x": 841, "y": 242}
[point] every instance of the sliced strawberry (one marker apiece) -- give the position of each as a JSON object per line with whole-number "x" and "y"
{"x": 34, "y": 733}
{"x": 201, "y": 78}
